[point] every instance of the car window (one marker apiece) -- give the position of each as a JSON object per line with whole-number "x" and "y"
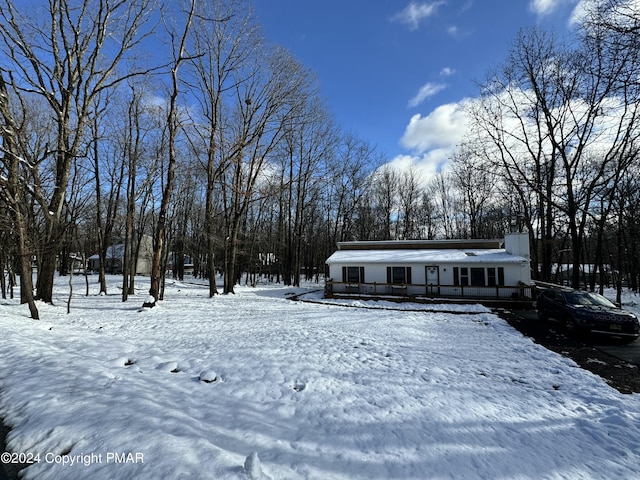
{"x": 588, "y": 298}
{"x": 576, "y": 299}
{"x": 554, "y": 296}
{"x": 600, "y": 300}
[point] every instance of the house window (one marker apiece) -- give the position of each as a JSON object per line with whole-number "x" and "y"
{"x": 353, "y": 274}
{"x": 491, "y": 277}
{"x": 477, "y": 276}
{"x": 399, "y": 275}
{"x": 460, "y": 276}
{"x": 495, "y": 276}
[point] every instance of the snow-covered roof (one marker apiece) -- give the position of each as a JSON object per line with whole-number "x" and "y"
{"x": 471, "y": 243}
{"x": 492, "y": 255}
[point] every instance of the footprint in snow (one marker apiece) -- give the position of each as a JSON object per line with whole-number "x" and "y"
{"x": 208, "y": 376}
{"x": 171, "y": 367}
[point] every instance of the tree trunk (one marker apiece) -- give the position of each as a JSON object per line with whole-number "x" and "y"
{"x": 15, "y": 192}
{"x": 47, "y": 267}
{"x": 127, "y": 270}
{"x": 172, "y": 125}
{"x": 231, "y": 258}
{"x": 210, "y": 242}
{"x": 26, "y": 279}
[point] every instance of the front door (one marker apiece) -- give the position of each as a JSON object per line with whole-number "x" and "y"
{"x": 432, "y": 276}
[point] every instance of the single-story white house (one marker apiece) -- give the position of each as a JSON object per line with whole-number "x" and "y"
{"x": 432, "y": 268}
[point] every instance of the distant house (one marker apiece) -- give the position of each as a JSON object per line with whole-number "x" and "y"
{"x": 115, "y": 258}
{"x": 187, "y": 262}
{"x": 432, "y": 268}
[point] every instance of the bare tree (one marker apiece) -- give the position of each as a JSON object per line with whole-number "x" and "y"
{"x": 14, "y": 189}
{"x": 347, "y": 183}
{"x": 409, "y": 194}
{"x": 173, "y": 125}
{"x": 137, "y": 137}
{"x": 447, "y": 208}
{"x": 307, "y": 142}
{"x": 224, "y": 35}
{"x": 66, "y": 61}
{"x": 108, "y": 167}
{"x": 385, "y": 189}
{"x": 268, "y": 95}
{"x": 618, "y": 18}
{"x": 477, "y": 186}
{"x": 561, "y": 130}
{"x": 513, "y": 139}
{"x": 625, "y": 256}
{"x": 427, "y": 216}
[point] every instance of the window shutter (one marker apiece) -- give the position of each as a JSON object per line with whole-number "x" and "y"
{"x": 361, "y": 274}
{"x": 408, "y": 276}
{"x": 388, "y": 274}
{"x": 456, "y": 276}
{"x": 344, "y": 274}
{"x": 500, "y": 275}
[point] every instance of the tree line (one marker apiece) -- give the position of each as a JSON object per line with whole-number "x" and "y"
{"x": 559, "y": 123}
{"x": 182, "y": 123}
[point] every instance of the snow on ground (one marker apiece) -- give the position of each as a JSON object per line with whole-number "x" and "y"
{"x": 256, "y": 386}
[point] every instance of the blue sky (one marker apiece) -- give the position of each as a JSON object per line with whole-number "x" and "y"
{"x": 394, "y": 72}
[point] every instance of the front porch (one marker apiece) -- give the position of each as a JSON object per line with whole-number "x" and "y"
{"x": 520, "y": 296}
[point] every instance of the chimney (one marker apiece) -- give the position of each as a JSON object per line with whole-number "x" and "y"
{"x": 517, "y": 244}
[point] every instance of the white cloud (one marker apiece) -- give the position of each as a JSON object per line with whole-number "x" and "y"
{"x": 415, "y": 12}
{"x": 543, "y": 7}
{"x": 547, "y": 7}
{"x": 426, "y": 91}
{"x": 453, "y": 30}
{"x": 425, "y": 165}
{"x": 579, "y": 13}
{"x": 443, "y": 128}
{"x": 432, "y": 139}
{"x": 447, "y": 72}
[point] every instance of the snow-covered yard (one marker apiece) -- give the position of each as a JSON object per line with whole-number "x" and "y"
{"x": 298, "y": 390}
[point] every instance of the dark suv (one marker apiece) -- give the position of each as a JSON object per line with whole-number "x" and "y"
{"x": 587, "y": 312}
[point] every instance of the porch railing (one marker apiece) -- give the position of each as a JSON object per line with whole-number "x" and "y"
{"x": 430, "y": 290}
